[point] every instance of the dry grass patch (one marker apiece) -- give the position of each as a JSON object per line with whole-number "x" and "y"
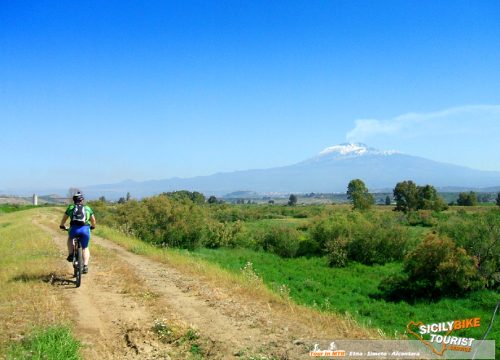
{"x": 27, "y": 259}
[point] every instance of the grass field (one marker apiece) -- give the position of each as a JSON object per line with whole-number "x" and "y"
{"x": 345, "y": 291}
{"x": 32, "y": 316}
{"x": 309, "y": 282}
{"x": 8, "y": 208}
{"x": 348, "y": 290}
{"x": 352, "y": 290}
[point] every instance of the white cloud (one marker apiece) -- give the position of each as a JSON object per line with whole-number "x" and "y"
{"x": 452, "y": 120}
{"x": 466, "y": 135}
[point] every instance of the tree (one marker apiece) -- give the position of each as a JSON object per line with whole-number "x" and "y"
{"x": 358, "y": 194}
{"x": 388, "y": 200}
{"x": 467, "y": 199}
{"x": 410, "y": 197}
{"x": 102, "y": 199}
{"x": 122, "y": 200}
{"x": 406, "y": 196}
{"x": 292, "y": 200}
{"x": 127, "y": 197}
{"x": 212, "y": 200}
{"x": 498, "y": 199}
{"x": 195, "y": 196}
{"x": 428, "y": 199}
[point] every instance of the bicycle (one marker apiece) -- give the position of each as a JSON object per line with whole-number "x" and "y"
{"x": 77, "y": 259}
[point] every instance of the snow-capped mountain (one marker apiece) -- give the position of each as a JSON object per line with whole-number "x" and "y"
{"x": 348, "y": 150}
{"x": 356, "y": 149}
{"x": 329, "y": 171}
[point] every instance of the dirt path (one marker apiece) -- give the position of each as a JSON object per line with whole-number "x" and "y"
{"x": 128, "y": 304}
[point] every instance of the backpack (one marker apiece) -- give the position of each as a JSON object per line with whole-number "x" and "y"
{"x": 79, "y": 216}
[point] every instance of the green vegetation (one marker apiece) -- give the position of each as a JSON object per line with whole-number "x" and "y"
{"x": 435, "y": 268}
{"x": 369, "y": 238}
{"x": 28, "y": 301}
{"x": 383, "y": 267}
{"x": 53, "y": 343}
{"x": 467, "y": 199}
{"x": 358, "y": 194}
{"x": 343, "y": 236}
{"x": 410, "y": 197}
{"x": 479, "y": 234}
{"x": 352, "y": 290}
{"x": 8, "y": 208}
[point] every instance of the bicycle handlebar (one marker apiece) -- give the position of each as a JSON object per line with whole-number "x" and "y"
{"x": 63, "y": 227}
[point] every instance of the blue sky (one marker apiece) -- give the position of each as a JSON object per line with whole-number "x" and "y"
{"x": 113, "y": 90}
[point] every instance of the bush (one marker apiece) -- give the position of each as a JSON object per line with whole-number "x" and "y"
{"x": 435, "y": 268}
{"x": 282, "y": 241}
{"x": 479, "y": 234}
{"x": 366, "y": 238}
{"x": 162, "y": 221}
{"x": 222, "y": 234}
{"x": 309, "y": 247}
{"x": 336, "y": 251}
{"x": 421, "y": 218}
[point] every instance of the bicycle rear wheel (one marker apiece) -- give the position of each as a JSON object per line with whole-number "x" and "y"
{"x": 78, "y": 266}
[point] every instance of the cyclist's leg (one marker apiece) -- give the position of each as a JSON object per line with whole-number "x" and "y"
{"x": 84, "y": 240}
{"x": 86, "y": 256}
{"x": 70, "y": 246}
{"x": 71, "y": 236}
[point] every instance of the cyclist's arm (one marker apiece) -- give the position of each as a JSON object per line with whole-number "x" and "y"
{"x": 92, "y": 220}
{"x": 63, "y": 221}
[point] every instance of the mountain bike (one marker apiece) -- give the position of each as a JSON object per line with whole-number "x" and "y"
{"x": 77, "y": 259}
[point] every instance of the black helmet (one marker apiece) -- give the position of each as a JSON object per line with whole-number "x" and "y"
{"x": 78, "y": 197}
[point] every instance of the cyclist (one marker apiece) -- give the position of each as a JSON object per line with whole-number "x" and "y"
{"x": 82, "y": 220}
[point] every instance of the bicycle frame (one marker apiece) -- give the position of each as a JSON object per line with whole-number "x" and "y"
{"x": 77, "y": 258}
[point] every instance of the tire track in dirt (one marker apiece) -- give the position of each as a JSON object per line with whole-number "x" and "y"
{"x": 110, "y": 325}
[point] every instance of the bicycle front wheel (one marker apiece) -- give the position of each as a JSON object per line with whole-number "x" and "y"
{"x": 78, "y": 267}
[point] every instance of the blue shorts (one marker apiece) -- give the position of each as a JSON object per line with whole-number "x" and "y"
{"x": 82, "y": 232}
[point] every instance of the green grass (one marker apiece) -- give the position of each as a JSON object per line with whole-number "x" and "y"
{"x": 54, "y": 343}
{"x": 28, "y": 257}
{"x": 8, "y": 208}
{"x": 347, "y": 290}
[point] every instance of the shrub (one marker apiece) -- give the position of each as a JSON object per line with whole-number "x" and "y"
{"x": 421, "y": 217}
{"x": 435, "y": 268}
{"x": 222, "y": 234}
{"x": 364, "y": 237}
{"x": 308, "y": 247}
{"x": 336, "y": 251}
{"x": 479, "y": 235}
{"x": 282, "y": 241}
{"x": 161, "y": 220}
{"x": 326, "y": 229}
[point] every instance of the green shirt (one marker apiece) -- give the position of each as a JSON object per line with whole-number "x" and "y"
{"x": 88, "y": 212}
